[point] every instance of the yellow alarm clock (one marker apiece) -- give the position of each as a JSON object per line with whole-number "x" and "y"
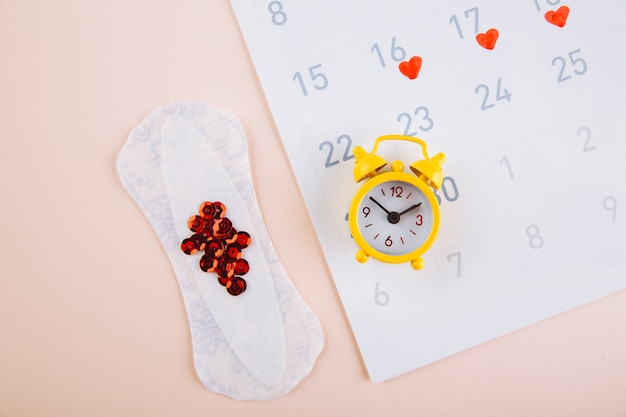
{"x": 394, "y": 216}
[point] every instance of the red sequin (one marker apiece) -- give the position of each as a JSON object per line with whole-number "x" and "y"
{"x": 220, "y": 210}
{"x": 214, "y": 248}
{"x": 207, "y": 209}
{"x": 222, "y": 228}
{"x": 236, "y": 286}
{"x": 233, "y": 253}
{"x": 223, "y": 280}
{"x": 196, "y": 223}
{"x": 189, "y": 246}
{"x": 243, "y": 240}
{"x": 208, "y": 263}
{"x": 224, "y": 268}
{"x": 241, "y": 267}
{"x": 222, "y": 245}
{"x": 200, "y": 240}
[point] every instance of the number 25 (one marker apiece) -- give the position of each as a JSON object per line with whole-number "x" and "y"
{"x": 578, "y": 64}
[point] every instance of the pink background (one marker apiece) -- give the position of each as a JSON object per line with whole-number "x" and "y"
{"x": 92, "y": 322}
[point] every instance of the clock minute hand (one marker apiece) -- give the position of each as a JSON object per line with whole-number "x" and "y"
{"x": 379, "y": 205}
{"x": 413, "y": 207}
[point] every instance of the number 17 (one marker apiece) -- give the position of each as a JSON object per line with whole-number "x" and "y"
{"x": 455, "y": 21}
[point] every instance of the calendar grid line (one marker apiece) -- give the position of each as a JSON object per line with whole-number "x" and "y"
{"x": 510, "y": 226}
{"x": 515, "y": 244}
{"x": 561, "y": 127}
{"x": 569, "y": 150}
{"x": 521, "y": 300}
{"x": 441, "y": 276}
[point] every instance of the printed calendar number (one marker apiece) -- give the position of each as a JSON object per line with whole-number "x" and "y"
{"x": 585, "y": 133}
{"x": 423, "y": 121}
{"x": 449, "y": 189}
{"x": 397, "y": 53}
{"x": 332, "y": 159}
{"x": 470, "y": 14}
{"x": 456, "y": 257}
{"x": 535, "y": 240}
{"x": 610, "y": 204}
{"x": 501, "y": 94}
{"x": 316, "y": 78}
{"x": 549, "y": 3}
{"x": 279, "y": 17}
{"x": 505, "y": 162}
{"x": 346, "y": 218}
{"x": 381, "y": 298}
{"x": 567, "y": 68}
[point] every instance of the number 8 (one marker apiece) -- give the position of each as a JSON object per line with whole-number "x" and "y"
{"x": 535, "y": 240}
{"x": 278, "y": 16}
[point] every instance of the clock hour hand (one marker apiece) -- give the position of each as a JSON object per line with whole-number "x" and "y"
{"x": 413, "y": 207}
{"x": 379, "y": 205}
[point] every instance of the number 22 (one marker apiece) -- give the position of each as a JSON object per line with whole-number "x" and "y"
{"x": 331, "y": 150}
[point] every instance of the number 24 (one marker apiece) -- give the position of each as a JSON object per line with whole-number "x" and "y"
{"x": 501, "y": 94}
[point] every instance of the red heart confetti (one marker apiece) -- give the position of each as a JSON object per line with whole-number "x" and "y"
{"x": 488, "y": 39}
{"x": 411, "y": 68}
{"x": 558, "y": 17}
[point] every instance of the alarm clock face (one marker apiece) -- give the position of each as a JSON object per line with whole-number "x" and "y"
{"x": 395, "y": 217}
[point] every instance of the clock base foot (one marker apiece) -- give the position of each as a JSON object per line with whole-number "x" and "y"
{"x": 362, "y": 257}
{"x": 417, "y": 264}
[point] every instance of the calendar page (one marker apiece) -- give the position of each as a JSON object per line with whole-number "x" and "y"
{"x": 526, "y": 98}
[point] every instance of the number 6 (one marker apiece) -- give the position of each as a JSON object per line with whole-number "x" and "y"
{"x": 381, "y": 298}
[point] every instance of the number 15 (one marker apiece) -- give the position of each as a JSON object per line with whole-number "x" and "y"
{"x": 318, "y": 78}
